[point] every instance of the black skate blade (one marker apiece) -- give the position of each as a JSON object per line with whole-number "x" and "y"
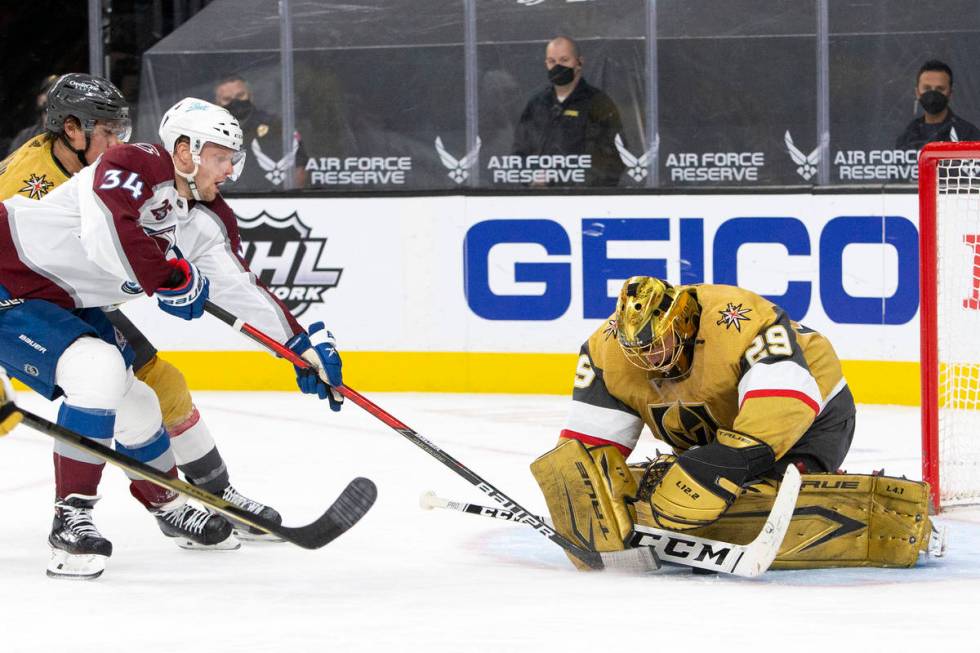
{"x": 352, "y": 504}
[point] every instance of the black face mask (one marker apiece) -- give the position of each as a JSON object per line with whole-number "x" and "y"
{"x": 560, "y": 75}
{"x": 933, "y": 102}
{"x": 240, "y": 109}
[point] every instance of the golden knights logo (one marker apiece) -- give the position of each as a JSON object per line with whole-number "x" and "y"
{"x": 683, "y": 426}
{"x": 281, "y": 253}
{"x": 733, "y": 315}
{"x": 37, "y": 186}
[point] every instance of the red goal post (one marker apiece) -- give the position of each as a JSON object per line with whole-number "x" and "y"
{"x": 949, "y": 291}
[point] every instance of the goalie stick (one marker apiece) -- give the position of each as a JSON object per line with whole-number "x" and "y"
{"x": 642, "y": 559}
{"x": 746, "y": 560}
{"x": 352, "y": 504}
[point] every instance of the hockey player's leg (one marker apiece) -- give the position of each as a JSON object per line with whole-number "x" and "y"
{"x": 194, "y": 449}
{"x": 140, "y": 435}
{"x": 78, "y": 550}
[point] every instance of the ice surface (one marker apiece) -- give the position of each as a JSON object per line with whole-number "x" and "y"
{"x": 409, "y": 580}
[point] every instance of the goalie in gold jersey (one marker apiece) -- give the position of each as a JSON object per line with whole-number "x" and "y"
{"x": 739, "y": 391}
{"x": 85, "y": 116}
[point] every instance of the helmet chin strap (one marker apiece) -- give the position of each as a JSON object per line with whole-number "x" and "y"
{"x": 79, "y": 153}
{"x": 189, "y": 177}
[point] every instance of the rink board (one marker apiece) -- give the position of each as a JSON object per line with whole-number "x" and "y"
{"x": 497, "y": 293}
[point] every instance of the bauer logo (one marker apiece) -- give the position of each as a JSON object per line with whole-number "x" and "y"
{"x": 284, "y": 256}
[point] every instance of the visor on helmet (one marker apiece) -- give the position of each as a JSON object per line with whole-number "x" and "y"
{"x": 122, "y": 128}
{"x": 238, "y": 163}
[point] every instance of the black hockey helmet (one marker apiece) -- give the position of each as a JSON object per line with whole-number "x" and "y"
{"x": 88, "y": 99}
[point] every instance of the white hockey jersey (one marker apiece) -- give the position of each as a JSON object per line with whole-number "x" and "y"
{"x": 102, "y": 238}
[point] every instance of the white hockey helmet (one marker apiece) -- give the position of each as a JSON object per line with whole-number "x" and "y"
{"x": 203, "y": 122}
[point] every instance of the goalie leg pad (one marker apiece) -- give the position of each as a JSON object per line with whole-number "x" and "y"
{"x": 841, "y": 520}
{"x": 585, "y": 489}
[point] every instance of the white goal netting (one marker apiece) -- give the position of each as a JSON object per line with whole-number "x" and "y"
{"x": 958, "y": 326}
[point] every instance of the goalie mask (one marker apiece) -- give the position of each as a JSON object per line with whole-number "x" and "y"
{"x": 656, "y": 323}
{"x": 202, "y": 122}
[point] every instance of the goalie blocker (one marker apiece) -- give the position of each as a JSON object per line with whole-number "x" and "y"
{"x": 840, "y": 520}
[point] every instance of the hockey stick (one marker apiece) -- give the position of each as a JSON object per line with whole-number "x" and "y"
{"x": 356, "y": 499}
{"x": 746, "y": 560}
{"x": 592, "y": 558}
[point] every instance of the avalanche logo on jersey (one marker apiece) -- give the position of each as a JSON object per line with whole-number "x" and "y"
{"x": 683, "y": 425}
{"x": 166, "y": 238}
{"x": 281, "y": 253}
{"x": 161, "y": 212}
{"x": 733, "y": 316}
{"x": 37, "y": 186}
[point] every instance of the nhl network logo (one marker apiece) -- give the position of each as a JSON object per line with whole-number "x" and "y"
{"x": 806, "y": 163}
{"x": 458, "y": 168}
{"x": 276, "y": 171}
{"x": 281, "y": 253}
{"x": 638, "y": 167}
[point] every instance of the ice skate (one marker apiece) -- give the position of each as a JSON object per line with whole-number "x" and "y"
{"x": 244, "y": 531}
{"x": 193, "y": 528}
{"x": 78, "y": 550}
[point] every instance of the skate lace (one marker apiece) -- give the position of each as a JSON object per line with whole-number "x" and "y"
{"x": 188, "y": 518}
{"x": 232, "y": 496}
{"x": 79, "y": 521}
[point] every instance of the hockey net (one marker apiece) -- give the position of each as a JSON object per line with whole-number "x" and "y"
{"x": 949, "y": 227}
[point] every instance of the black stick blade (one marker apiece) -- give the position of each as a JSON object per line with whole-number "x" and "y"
{"x": 352, "y": 504}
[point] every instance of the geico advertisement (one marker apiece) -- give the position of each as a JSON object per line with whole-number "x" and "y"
{"x": 538, "y": 274}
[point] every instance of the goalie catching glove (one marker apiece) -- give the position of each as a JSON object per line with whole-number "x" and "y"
{"x": 703, "y": 482}
{"x": 319, "y": 349}
{"x": 588, "y": 492}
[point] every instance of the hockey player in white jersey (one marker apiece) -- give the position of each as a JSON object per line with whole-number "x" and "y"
{"x": 86, "y": 115}
{"x": 142, "y": 219}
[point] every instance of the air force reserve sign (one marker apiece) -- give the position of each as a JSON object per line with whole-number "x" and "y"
{"x": 281, "y": 253}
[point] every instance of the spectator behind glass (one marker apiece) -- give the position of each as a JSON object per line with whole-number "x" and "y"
{"x": 266, "y": 166}
{"x": 27, "y": 133}
{"x": 934, "y": 91}
{"x": 571, "y": 117}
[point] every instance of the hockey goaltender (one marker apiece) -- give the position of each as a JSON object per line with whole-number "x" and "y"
{"x": 739, "y": 391}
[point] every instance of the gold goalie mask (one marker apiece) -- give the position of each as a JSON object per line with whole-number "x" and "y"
{"x": 656, "y": 323}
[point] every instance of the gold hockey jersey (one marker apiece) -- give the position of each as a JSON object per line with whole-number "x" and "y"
{"x": 753, "y": 370}
{"x": 32, "y": 170}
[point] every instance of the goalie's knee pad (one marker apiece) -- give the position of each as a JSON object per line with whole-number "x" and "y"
{"x": 92, "y": 374}
{"x": 586, "y": 491}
